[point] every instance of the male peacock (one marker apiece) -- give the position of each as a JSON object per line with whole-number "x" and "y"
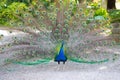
{"x": 61, "y": 56}
{"x": 86, "y": 35}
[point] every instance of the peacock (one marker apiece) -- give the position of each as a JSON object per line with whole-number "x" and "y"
{"x": 61, "y": 56}
{"x": 42, "y": 28}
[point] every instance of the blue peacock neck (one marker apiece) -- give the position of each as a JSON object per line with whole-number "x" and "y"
{"x": 61, "y": 56}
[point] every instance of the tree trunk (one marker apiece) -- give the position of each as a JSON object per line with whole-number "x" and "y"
{"x": 111, "y": 4}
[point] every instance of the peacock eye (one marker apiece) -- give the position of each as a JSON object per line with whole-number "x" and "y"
{"x": 41, "y": 17}
{"x": 57, "y": 30}
{"x": 50, "y": 27}
{"x": 81, "y": 9}
{"x": 80, "y": 31}
{"x": 107, "y": 18}
{"x": 60, "y": 1}
{"x": 12, "y": 23}
{"x": 71, "y": 6}
{"x": 66, "y": 21}
{"x": 88, "y": 41}
{"x": 40, "y": 6}
{"x": 74, "y": 23}
{"x": 64, "y": 30}
{"x": 83, "y": 15}
{"x": 25, "y": 15}
{"x": 54, "y": 22}
{"x": 37, "y": 12}
{"x": 91, "y": 11}
{"x": 2, "y": 48}
{"x": 69, "y": 11}
{"x": 99, "y": 5}
{"x": 65, "y": 13}
{"x": 84, "y": 24}
{"x": 51, "y": 7}
{"x": 34, "y": 28}
{"x": 20, "y": 24}
{"x": 77, "y": 15}
{"x": 87, "y": 3}
{"x": 53, "y": 18}
{"x": 66, "y": 25}
{"x": 30, "y": 8}
{"x": 113, "y": 42}
{"x": 17, "y": 11}
{"x": 30, "y": 20}
{"x": 105, "y": 42}
{"x": 43, "y": 25}
{"x": 71, "y": 3}
{"x": 59, "y": 25}
{"x": 90, "y": 17}
{"x": 57, "y": 9}
{"x": 31, "y": 36}
{"x": 111, "y": 26}
{"x": 68, "y": 16}
{"x": 9, "y": 45}
{"x": 44, "y": 12}
{"x": 15, "y": 38}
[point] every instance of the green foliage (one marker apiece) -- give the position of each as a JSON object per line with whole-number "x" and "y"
{"x": 95, "y": 5}
{"x": 16, "y": 6}
{"x": 115, "y": 15}
{"x": 7, "y": 14}
{"x": 99, "y": 11}
{"x": 2, "y": 7}
{"x": 46, "y": 3}
{"x": 27, "y": 2}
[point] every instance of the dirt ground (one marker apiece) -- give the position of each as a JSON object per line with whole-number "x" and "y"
{"x": 69, "y": 71}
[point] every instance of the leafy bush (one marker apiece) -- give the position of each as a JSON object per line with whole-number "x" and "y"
{"x": 2, "y": 7}
{"x": 9, "y": 2}
{"x": 7, "y": 13}
{"x": 95, "y": 5}
{"x": 99, "y": 11}
{"x": 115, "y": 15}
